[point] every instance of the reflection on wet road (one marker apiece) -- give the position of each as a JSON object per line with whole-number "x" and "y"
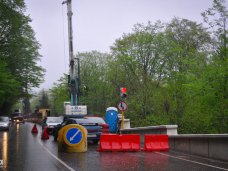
{"x": 21, "y": 150}
{"x": 5, "y": 148}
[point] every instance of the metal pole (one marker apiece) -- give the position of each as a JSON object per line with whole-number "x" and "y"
{"x": 72, "y": 82}
{"x": 122, "y": 123}
{"x": 78, "y": 80}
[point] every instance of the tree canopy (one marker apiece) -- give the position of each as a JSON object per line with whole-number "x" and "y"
{"x": 18, "y": 55}
{"x": 175, "y": 73}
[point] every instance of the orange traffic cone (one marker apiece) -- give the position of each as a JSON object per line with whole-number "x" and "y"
{"x": 34, "y": 129}
{"x": 45, "y": 135}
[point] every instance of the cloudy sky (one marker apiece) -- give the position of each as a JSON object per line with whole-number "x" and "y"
{"x": 96, "y": 25}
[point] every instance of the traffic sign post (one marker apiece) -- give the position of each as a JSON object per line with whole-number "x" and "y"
{"x": 122, "y": 123}
{"x": 122, "y": 106}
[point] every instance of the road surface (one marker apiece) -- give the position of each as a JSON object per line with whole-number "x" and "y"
{"x": 22, "y": 151}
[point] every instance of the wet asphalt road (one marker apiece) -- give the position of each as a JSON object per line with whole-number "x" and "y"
{"x": 22, "y": 151}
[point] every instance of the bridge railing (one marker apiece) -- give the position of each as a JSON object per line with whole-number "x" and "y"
{"x": 207, "y": 145}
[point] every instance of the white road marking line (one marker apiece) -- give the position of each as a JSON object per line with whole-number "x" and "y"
{"x": 62, "y": 162}
{"x": 192, "y": 161}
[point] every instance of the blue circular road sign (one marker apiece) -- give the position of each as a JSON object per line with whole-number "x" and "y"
{"x": 74, "y": 135}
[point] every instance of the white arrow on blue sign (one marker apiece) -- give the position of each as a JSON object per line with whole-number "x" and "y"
{"x": 74, "y": 135}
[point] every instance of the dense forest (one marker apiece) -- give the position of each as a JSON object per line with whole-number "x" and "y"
{"x": 175, "y": 72}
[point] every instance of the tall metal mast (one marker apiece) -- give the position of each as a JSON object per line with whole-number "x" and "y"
{"x": 72, "y": 81}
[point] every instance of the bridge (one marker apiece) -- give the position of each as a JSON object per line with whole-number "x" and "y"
{"x": 214, "y": 146}
{"x": 24, "y": 151}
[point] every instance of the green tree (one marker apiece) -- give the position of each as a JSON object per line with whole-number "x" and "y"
{"x": 157, "y": 62}
{"x": 186, "y": 57}
{"x": 44, "y": 100}
{"x": 175, "y": 73}
{"x": 95, "y": 89}
{"x": 58, "y": 95}
{"x": 217, "y": 77}
{"x": 18, "y": 51}
{"x": 8, "y": 86}
{"x": 138, "y": 64}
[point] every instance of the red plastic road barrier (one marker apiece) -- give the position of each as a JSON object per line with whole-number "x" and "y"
{"x": 130, "y": 142}
{"x": 34, "y": 129}
{"x": 156, "y": 142}
{"x": 115, "y": 142}
{"x": 105, "y": 142}
{"x": 164, "y": 139}
{"x": 45, "y": 135}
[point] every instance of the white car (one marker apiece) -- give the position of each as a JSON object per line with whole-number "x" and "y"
{"x": 52, "y": 122}
{"x": 4, "y": 123}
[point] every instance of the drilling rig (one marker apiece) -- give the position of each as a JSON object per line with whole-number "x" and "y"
{"x": 73, "y": 106}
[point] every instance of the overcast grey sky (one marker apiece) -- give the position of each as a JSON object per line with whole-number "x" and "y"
{"x": 97, "y": 24}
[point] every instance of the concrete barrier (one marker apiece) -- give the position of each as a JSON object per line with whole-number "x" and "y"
{"x": 213, "y": 146}
{"x": 207, "y": 145}
{"x": 161, "y": 129}
{"x": 127, "y": 123}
